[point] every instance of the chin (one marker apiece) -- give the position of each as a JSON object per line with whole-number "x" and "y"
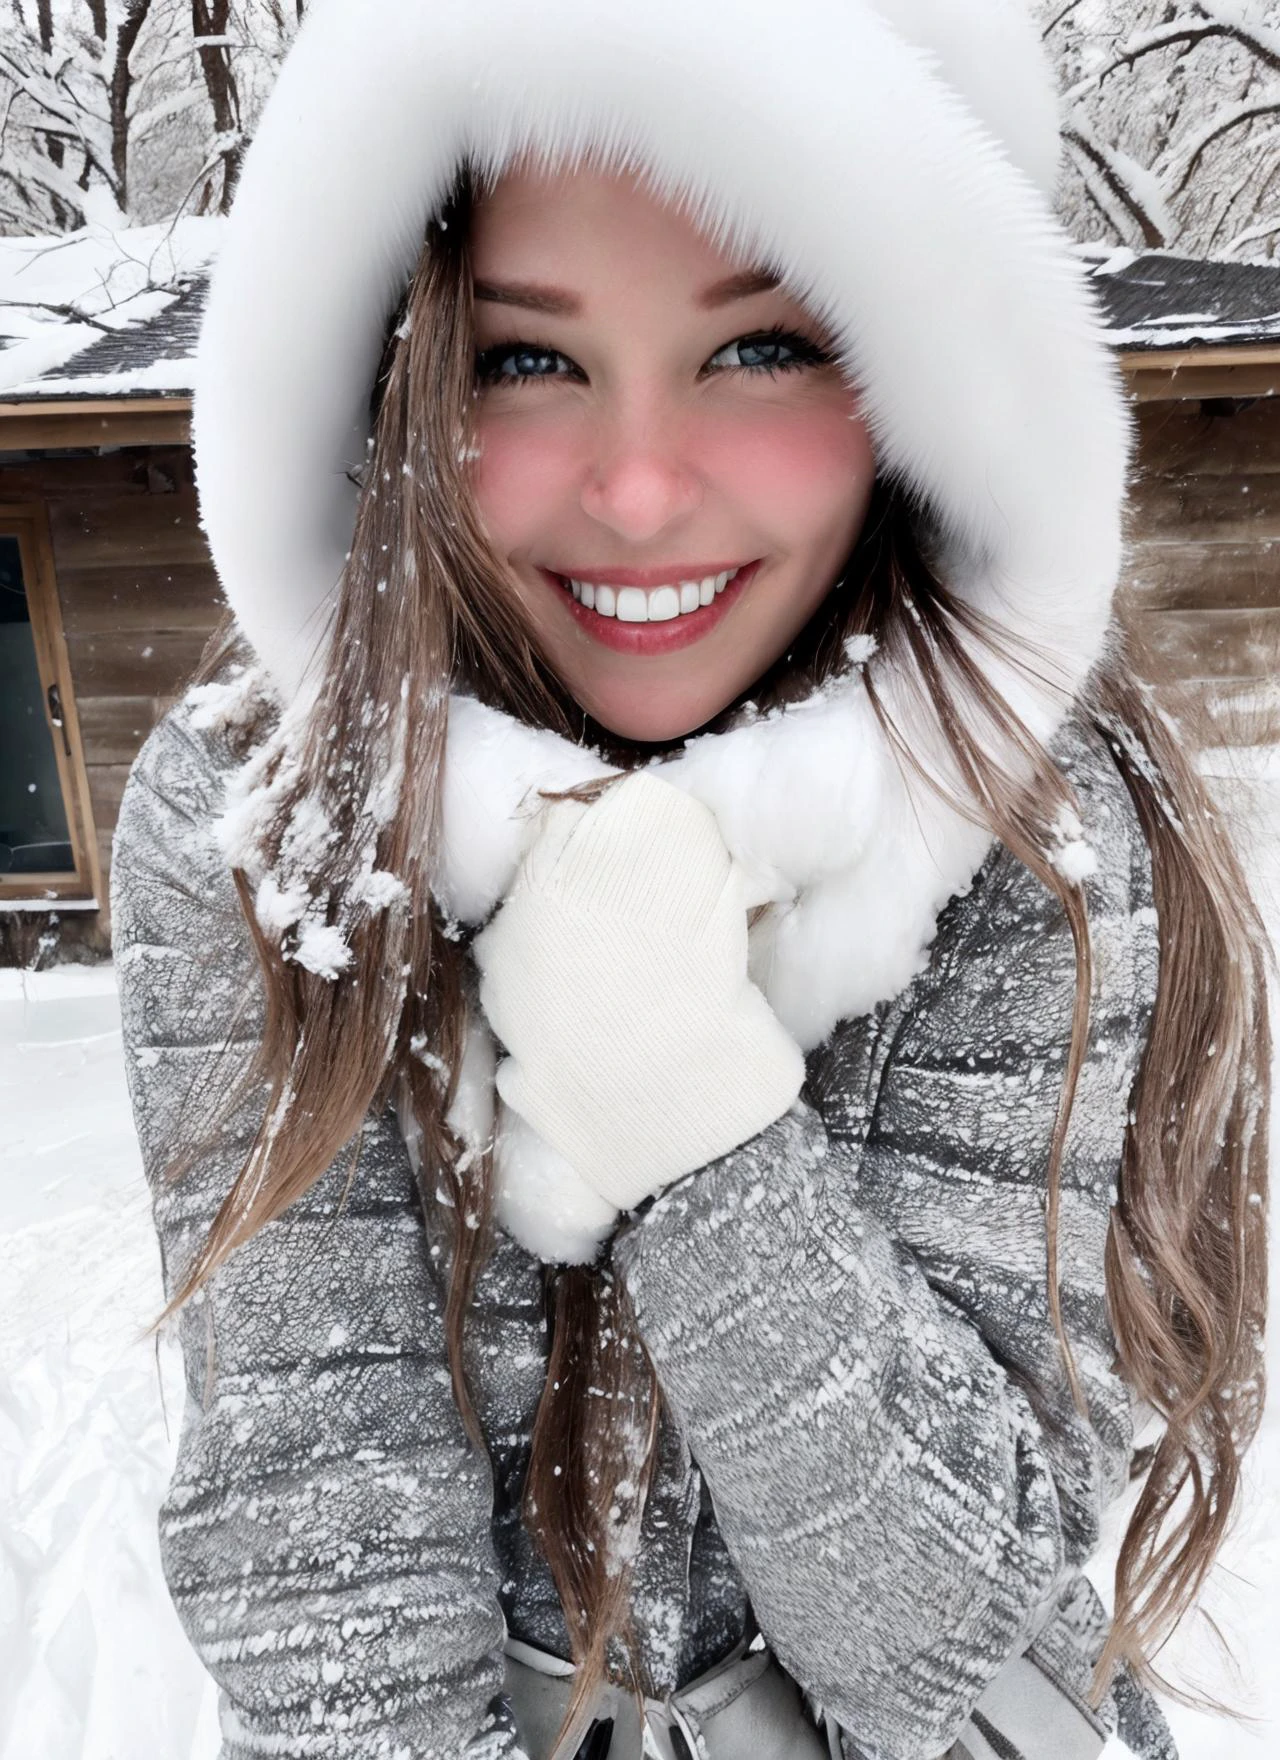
{"x": 650, "y": 723}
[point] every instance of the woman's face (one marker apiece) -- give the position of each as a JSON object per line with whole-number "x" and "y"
{"x": 633, "y": 440}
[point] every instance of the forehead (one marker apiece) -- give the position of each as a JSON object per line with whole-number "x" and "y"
{"x": 539, "y": 209}
{"x": 538, "y": 229}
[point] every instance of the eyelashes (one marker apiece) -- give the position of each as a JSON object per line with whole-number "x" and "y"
{"x": 804, "y": 352}
{"x": 490, "y": 362}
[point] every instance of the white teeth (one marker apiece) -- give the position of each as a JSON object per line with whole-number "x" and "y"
{"x": 633, "y": 605}
{"x": 651, "y": 605}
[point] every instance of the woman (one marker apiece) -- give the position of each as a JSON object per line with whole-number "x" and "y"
{"x": 701, "y": 1056}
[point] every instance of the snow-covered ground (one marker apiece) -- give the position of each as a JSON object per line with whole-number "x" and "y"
{"x": 93, "y": 1664}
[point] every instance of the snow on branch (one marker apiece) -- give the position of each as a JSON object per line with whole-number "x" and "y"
{"x": 1130, "y": 189}
{"x": 1166, "y": 111}
{"x": 1240, "y": 20}
{"x": 1192, "y": 151}
{"x": 120, "y": 111}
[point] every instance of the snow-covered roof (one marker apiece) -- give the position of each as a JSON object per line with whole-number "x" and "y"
{"x": 1159, "y": 300}
{"x": 106, "y": 314}
{"x": 101, "y": 313}
{"x": 150, "y": 357}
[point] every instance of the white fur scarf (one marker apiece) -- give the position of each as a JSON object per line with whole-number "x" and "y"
{"x": 855, "y": 855}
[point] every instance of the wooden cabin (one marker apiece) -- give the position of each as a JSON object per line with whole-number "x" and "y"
{"x": 1199, "y": 343}
{"x": 107, "y": 591}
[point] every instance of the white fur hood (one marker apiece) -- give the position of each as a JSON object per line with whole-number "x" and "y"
{"x": 899, "y": 157}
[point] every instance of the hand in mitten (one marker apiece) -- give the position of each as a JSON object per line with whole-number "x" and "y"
{"x": 615, "y": 975}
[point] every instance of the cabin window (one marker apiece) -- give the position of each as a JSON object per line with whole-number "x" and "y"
{"x": 46, "y": 834}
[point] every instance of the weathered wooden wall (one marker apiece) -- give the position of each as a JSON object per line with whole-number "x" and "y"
{"x": 138, "y": 593}
{"x": 1204, "y": 578}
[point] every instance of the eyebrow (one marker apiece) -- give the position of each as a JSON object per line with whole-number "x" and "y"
{"x": 556, "y": 302}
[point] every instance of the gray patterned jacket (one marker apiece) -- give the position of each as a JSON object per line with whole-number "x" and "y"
{"x": 874, "y": 1456}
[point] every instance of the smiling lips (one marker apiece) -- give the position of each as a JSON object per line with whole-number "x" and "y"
{"x": 634, "y": 604}
{"x": 635, "y": 616}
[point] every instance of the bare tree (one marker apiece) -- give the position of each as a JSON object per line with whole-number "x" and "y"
{"x": 81, "y": 97}
{"x": 1170, "y": 118}
{"x": 130, "y": 110}
{"x": 209, "y": 21}
{"x": 53, "y": 143}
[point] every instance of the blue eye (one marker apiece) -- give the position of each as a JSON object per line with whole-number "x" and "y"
{"x": 772, "y": 351}
{"x": 528, "y": 359}
{"x": 760, "y": 352}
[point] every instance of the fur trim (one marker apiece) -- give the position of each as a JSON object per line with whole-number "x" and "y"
{"x": 494, "y": 766}
{"x": 993, "y": 54}
{"x": 829, "y": 138}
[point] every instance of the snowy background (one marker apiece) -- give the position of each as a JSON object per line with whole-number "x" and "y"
{"x": 93, "y": 1664}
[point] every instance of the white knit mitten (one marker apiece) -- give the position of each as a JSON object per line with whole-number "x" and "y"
{"x": 615, "y": 975}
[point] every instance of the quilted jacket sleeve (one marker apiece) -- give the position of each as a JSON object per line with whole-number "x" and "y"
{"x": 848, "y": 1315}
{"x": 326, "y": 1535}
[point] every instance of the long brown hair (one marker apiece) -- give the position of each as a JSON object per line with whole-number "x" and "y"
{"x": 424, "y": 606}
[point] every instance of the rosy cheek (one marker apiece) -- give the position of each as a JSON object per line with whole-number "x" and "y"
{"x": 525, "y": 474}
{"x": 790, "y": 466}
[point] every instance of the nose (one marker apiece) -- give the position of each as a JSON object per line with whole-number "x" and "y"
{"x": 640, "y": 480}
